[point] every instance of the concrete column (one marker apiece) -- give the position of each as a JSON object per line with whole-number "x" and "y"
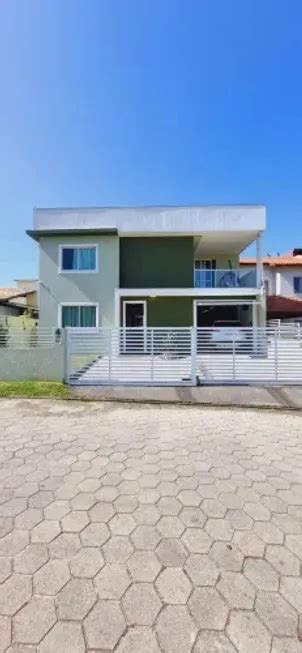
{"x": 259, "y": 265}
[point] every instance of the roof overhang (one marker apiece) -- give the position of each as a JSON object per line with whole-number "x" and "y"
{"x": 36, "y": 234}
{"x": 279, "y": 307}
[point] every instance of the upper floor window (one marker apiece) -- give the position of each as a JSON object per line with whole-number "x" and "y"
{"x": 78, "y": 259}
{"x": 298, "y": 285}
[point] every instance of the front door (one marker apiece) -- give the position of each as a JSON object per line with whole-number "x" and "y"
{"x": 134, "y": 319}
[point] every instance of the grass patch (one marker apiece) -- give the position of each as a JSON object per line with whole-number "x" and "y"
{"x": 34, "y": 389}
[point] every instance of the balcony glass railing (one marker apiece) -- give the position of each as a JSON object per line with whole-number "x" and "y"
{"x": 237, "y": 278}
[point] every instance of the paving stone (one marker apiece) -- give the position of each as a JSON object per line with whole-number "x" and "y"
{"x": 14, "y": 593}
{"x": 171, "y": 552}
{"x": 226, "y": 556}
{"x": 5, "y": 568}
{"x": 118, "y": 549}
{"x": 64, "y": 636}
{"x": 176, "y": 629}
{"x": 239, "y": 520}
{"x": 76, "y": 599}
{"x": 40, "y": 499}
{"x": 65, "y": 546}
{"x": 279, "y": 617}
{"x": 247, "y": 633}
{"x": 219, "y": 529}
{"x": 34, "y": 620}
{"x": 145, "y": 537}
{"x": 112, "y": 581}
{"x": 257, "y": 511}
{"x": 31, "y": 559}
{"x": 213, "y": 508}
{"x": 196, "y": 540}
{"x": 13, "y": 543}
{"x": 137, "y": 640}
{"x": 282, "y": 560}
{"x": 211, "y": 642}
{"x": 173, "y": 586}
{"x": 56, "y": 510}
{"x": 126, "y": 503}
{"x": 87, "y": 562}
{"x": 47, "y": 531}
{"x": 13, "y": 507}
{"x": 170, "y": 526}
{"x": 169, "y": 506}
{"x": 141, "y": 604}
{"x": 287, "y": 524}
{"x": 6, "y": 525}
{"x": 294, "y": 544}
{"x": 83, "y": 501}
{"x": 29, "y": 518}
{"x": 192, "y": 517}
{"x": 268, "y": 532}
{"x": 5, "y": 633}
{"x": 236, "y": 590}
{"x": 189, "y": 498}
{"x": 250, "y": 544}
{"x": 231, "y": 500}
{"x": 146, "y": 515}
{"x": 122, "y": 524}
{"x": 95, "y": 534}
{"x": 104, "y": 625}
{"x": 101, "y": 512}
{"x": 144, "y": 566}
{"x": 51, "y": 578}
{"x": 208, "y": 608}
{"x": 107, "y": 493}
{"x": 261, "y": 574}
{"x": 201, "y": 569}
{"x": 286, "y": 645}
{"x": 75, "y": 521}
{"x": 291, "y": 589}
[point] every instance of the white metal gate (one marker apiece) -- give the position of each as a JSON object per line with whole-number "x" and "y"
{"x": 135, "y": 356}
{"x": 184, "y": 356}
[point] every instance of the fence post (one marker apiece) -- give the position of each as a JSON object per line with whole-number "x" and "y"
{"x": 66, "y": 336}
{"x": 193, "y": 356}
{"x": 152, "y": 354}
{"x": 110, "y": 353}
{"x": 234, "y": 357}
{"x": 276, "y": 355}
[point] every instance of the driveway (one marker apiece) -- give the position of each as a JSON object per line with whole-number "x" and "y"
{"x": 146, "y": 529}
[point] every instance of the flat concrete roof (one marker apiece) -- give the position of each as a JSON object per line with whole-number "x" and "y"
{"x": 153, "y": 220}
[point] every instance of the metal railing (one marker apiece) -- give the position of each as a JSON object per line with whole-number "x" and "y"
{"x": 237, "y": 278}
{"x": 19, "y": 338}
{"x": 183, "y": 356}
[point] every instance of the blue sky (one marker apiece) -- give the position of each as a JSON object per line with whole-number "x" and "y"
{"x": 148, "y": 102}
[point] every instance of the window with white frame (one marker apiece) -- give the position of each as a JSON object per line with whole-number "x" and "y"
{"x": 79, "y": 315}
{"x": 298, "y": 285}
{"x": 78, "y": 259}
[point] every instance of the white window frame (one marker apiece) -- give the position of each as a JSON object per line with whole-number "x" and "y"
{"x": 135, "y": 301}
{"x": 297, "y": 276}
{"x": 78, "y": 246}
{"x": 62, "y": 304}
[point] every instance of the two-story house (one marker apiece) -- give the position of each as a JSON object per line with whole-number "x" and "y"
{"x": 148, "y": 266}
{"x": 283, "y": 283}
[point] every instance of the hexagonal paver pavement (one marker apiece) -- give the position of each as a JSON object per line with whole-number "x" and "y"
{"x": 141, "y": 604}
{"x": 136, "y": 529}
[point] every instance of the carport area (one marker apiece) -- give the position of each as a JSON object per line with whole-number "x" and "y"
{"x": 149, "y": 529}
{"x": 244, "y": 311}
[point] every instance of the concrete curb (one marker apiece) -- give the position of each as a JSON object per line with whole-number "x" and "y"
{"x": 254, "y": 397}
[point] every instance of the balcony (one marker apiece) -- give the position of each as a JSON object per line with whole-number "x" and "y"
{"x": 230, "y": 278}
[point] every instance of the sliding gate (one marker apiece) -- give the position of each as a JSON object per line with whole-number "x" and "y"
{"x": 184, "y": 356}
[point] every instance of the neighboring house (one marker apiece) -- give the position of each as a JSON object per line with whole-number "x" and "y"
{"x": 283, "y": 283}
{"x": 19, "y": 299}
{"x": 148, "y": 266}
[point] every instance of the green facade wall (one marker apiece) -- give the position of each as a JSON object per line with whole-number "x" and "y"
{"x": 167, "y": 311}
{"x": 156, "y": 262}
